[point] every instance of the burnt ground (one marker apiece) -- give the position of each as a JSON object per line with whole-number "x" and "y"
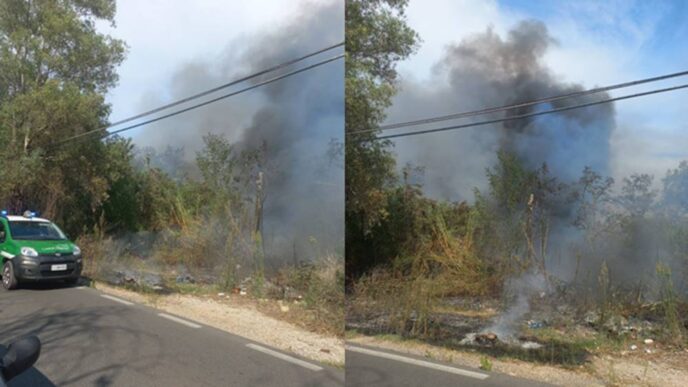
{"x": 553, "y": 331}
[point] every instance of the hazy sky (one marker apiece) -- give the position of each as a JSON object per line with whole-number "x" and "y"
{"x": 163, "y": 36}
{"x": 597, "y": 43}
{"x": 179, "y": 48}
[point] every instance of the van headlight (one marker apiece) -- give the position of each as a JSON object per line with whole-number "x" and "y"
{"x": 77, "y": 250}
{"x": 29, "y": 252}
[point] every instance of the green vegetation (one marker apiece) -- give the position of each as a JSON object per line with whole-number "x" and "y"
{"x": 319, "y": 289}
{"x": 124, "y": 207}
{"x": 376, "y": 38}
{"x": 199, "y": 222}
{"x": 485, "y": 364}
{"x": 55, "y": 70}
{"x": 409, "y": 255}
{"x": 428, "y": 251}
{"x": 674, "y": 328}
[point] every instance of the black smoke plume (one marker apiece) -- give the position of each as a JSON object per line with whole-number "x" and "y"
{"x": 485, "y": 71}
{"x": 293, "y": 119}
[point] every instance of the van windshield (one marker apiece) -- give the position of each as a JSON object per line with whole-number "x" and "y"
{"x": 37, "y": 231}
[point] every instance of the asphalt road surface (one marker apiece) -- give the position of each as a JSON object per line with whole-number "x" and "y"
{"x": 375, "y": 367}
{"x": 90, "y": 339}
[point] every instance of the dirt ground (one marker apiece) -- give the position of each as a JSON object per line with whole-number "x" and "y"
{"x": 625, "y": 369}
{"x": 237, "y": 315}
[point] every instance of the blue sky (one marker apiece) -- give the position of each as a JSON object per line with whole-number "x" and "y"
{"x": 598, "y": 43}
{"x": 649, "y": 36}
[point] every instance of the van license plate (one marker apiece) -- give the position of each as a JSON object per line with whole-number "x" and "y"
{"x": 58, "y": 267}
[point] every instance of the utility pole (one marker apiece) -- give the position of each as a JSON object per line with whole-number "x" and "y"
{"x": 259, "y": 255}
{"x": 260, "y": 195}
{"x": 260, "y": 199}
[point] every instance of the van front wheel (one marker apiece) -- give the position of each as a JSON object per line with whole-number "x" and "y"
{"x": 9, "y": 281}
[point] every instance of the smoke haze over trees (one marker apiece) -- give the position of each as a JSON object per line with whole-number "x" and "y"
{"x": 292, "y": 122}
{"x": 486, "y": 70}
{"x": 525, "y": 206}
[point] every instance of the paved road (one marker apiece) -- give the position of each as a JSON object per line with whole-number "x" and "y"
{"x": 91, "y": 340}
{"x": 373, "y": 367}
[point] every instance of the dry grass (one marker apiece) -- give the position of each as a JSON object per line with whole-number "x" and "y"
{"x": 316, "y": 292}
{"x": 311, "y": 296}
{"x": 411, "y": 291}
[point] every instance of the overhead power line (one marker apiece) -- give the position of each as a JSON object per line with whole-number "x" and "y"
{"x": 224, "y": 96}
{"x": 517, "y": 105}
{"x": 226, "y": 85}
{"x": 521, "y": 116}
{"x": 214, "y": 90}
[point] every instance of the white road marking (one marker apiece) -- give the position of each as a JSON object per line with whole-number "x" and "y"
{"x": 284, "y": 357}
{"x": 179, "y": 320}
{"x": 421, "y": 363}
{"x": 121, "y": 301}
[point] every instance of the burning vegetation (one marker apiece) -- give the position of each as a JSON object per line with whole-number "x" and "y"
{"x": 492, "y": 276}
{"x": 237, "y": 196}
{"x": 244, "y": 198}
{"x": 550, "y": 259}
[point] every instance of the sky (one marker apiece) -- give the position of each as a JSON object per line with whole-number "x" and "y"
{"x": 596, "y": 44}
{"x": 164, "y": 36}
{"x": 179, "y": 48}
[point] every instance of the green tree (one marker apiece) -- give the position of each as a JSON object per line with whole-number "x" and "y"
{"x": 377, "y": 37}
{"x": 124, "y": 209}
{"x": 674, "y": 206}
{"x": 51, "y": 39}
{"x": 514, "y": 219}
{"x": 675, "y": 190}
{"x": 54, "y": 70}
{"x": 637, "y": 195}
{"x": 592, "y": 195}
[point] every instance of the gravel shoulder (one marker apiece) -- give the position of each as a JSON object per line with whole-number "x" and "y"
{"x": 663, "y": 369}
{"x": 243, "y": 319}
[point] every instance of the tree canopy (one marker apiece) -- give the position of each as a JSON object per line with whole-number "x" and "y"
{"x": 55, "y": 68}
{"x": 377, "y": 37}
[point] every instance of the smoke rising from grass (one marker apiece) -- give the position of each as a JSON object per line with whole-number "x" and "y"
{"x": 487, "y": 70}
{"x": 294, "y": 119}
{"x": 521, "y": 290}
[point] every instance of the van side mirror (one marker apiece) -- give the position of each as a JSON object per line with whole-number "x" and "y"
{"x": 2, "y": 236}
{"x": 20, "y": 356}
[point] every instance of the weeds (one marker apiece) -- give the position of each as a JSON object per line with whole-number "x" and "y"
{"x": 604, "y": 297}
{"x": 485, "y": 364}
{"x": 316, "y": 290}
{"x": 674, "y": 330}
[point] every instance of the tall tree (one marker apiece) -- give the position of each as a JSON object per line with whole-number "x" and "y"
{"x": 54, "y": 70}
{"x": 377, "y": 37}
{"x": 675, "y": 192}
{"x": 637, "y": 195}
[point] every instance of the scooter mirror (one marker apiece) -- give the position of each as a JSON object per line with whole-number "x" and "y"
{"x": 20, "y": 356}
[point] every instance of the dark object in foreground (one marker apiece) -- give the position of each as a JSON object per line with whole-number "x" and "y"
{"x": 20, "y": 356}
{"x": 486, "y": 339}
